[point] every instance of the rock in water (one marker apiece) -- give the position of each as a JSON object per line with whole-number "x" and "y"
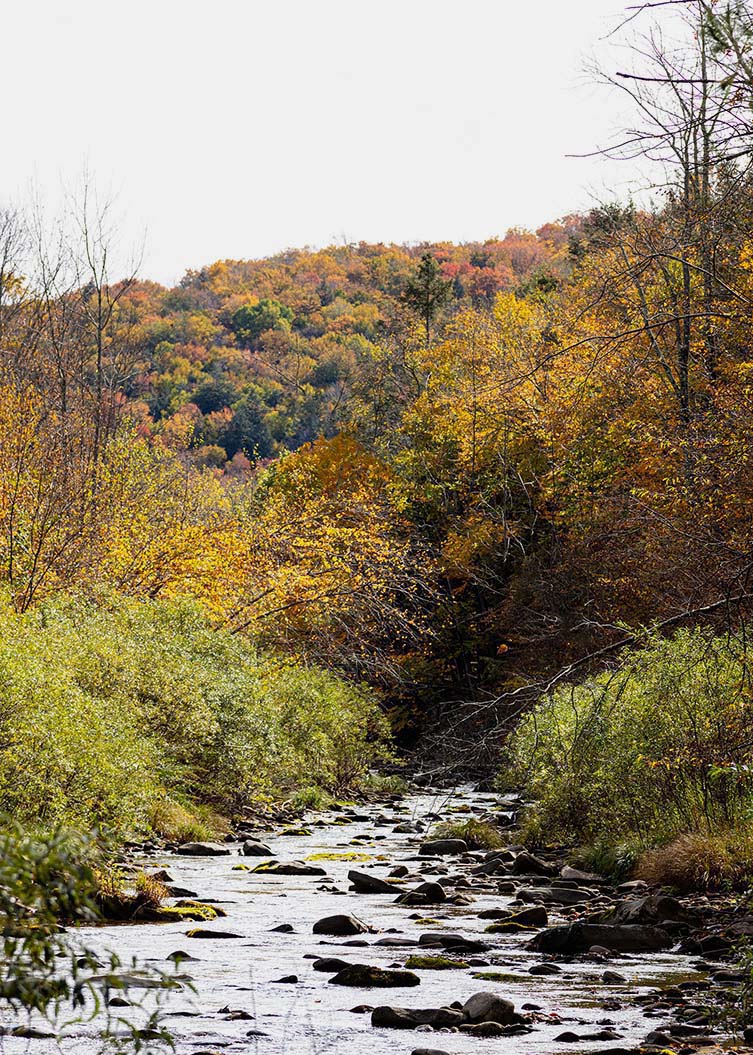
{"x": 254, "y": 849}
{"x": 487, "y": 1007}
{"x": 368, "y": 884}
{"x": 362, "y": 976}
{"x": 289, "y": 868}
{"x": 340, "y": 926}
{"x": 440, "y": 847}
{"x": 202, "y": 850}
{"x": 579, "y": 937}
{"x": 412, "y": 1018}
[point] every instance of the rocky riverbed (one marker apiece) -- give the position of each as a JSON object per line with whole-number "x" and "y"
{"x": 360, "y": 934}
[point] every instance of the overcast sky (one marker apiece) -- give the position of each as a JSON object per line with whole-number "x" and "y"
{"x": 235, "y": 128}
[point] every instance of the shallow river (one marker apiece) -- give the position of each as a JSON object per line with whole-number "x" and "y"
{"x": 313, "y": 1017}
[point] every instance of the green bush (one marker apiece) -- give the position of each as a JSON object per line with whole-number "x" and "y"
{"x": 121, "y": 715}
{"x": 655, "y": 748}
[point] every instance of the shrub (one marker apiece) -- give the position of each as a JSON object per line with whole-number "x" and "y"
{"x": 127, "y": 714}
{"x": 658, "y": 747}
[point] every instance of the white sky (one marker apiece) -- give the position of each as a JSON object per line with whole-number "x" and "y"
{"x": 235, "y": 128}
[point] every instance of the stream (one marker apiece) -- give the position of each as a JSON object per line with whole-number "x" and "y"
{"x": 311, "y": 1016}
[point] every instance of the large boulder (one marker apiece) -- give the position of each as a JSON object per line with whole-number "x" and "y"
{"x": 579, "y": 937}
{"x": 368, "y": 884}
{"x": 653, "y": 909}
{"x": 526, "y": 864}
{"x": 412, "y": 1018}
{"x": 341, "y": 926}
{"x": 362, "y": 976}
{"x": 440, "y": 847}
{"x": 488, "y": 1007}
{"x": 202, "y": 850}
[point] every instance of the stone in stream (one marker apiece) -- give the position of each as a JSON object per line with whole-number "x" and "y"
{"x": 288, "y": 979}
{"x": 251, "y": 848}
{"x": 566, "y": 872}
{"x": 527, "y": 864}
{"x": 441, "y": 847}
{"x": 456, "y": 942}
{"x": 341, "y": 925}
{"x": 428, "y": 1051}
{"x": 556, "y": 895}
{"x": 202, "y": 850}
{"x": 536, "y": 916}
{"x": 579, "y": 937}
{"x": 283, "y": 928}
{"x": 412, "y": 1018}
{"x": 363, "y": 976}
{"x": 179, "y": 956}
{"x": 488, "y": 1007}
{"x": 425, "y": 894}
{"x": 200, "y": 932}
{"x": 656, "y": 908}
{"x": 329, "y": 964}
{"x": 179, "y": 891}
{"x": 368, "y": 884}
{"x": 289, "y": 868}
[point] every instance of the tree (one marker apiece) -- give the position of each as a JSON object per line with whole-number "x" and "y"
{"x": 427, "y": 291}
{"x": 250, "y": 321}
{"x": 247, "y": 431}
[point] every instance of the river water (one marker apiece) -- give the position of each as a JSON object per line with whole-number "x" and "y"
{"x": 314, "y": 1017}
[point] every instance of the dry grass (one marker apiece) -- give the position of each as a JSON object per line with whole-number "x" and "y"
{"x": 701, "y": 862}
{"x": 152, "y": 892}
{"x": 479, "y": 835}
{"x": 176, "y": 823}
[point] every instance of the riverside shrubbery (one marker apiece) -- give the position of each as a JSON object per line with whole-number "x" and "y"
{"x": 653, "y": 750}
{"x": 140, "y": 716}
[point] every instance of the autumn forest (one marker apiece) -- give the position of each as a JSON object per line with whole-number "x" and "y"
{"x": 293, "y": 523}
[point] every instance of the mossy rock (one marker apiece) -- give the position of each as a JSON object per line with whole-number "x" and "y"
{"x": 241, "y": 868}
{"x": 434, "y": 963}
{"x": 201, "y": 905}
{"x": 296, "y": 831}
{"x": 188, "y": 911}
{"x": 496, "y": 976}
{"x": 351, "y": 855}
{"x": 509, "y": 926}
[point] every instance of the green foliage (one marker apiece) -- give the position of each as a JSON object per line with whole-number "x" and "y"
{"x": 247, "y": 431}
{"x": 250, "y": 321}
{"x": 43, "y": 882}
{"x": 658, "y": 747}
{"x": 427, "y": 290}
{"x": 122, "y": 715}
